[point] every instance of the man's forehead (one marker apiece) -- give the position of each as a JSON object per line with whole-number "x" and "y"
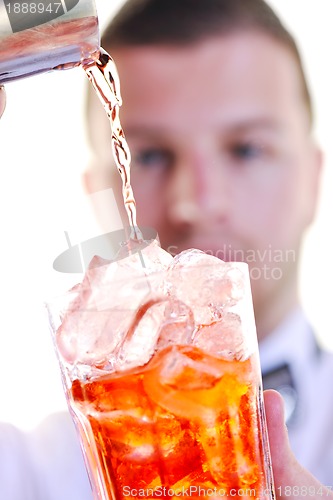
{"x": 235, "y": 44}
{"x": 239, "y": 61}
{"x": 246, "y": 74}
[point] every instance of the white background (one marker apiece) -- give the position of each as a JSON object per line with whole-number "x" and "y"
{"x": 42, "y": 154}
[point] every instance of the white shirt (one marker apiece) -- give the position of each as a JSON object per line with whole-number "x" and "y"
{"x": 311, "y": 427}
{"x": 48, "y": 465}
{"x": 44, "y": 465}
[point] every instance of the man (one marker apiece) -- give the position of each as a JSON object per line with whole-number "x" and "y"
{"x": 217, "y": 114}
{"x": 46, "y": 466}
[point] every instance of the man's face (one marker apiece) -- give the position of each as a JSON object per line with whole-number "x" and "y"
{"x": 222, "y": 159}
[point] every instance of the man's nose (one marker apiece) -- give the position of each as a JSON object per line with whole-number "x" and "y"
{"x": 198, "y": 190}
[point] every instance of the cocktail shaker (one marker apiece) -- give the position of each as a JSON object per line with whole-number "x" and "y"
{"x": 42, "y": 35}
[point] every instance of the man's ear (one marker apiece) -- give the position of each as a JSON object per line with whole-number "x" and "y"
{"x": 96, "y": 179}
{"x": 317, "y": 162}
{"x": 105, "y": 197}
{"x": 87, "y": 181}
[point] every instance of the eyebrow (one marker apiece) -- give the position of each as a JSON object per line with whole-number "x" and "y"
{"x": 265, "y": 123}
{"x": 239, "y": 126}
{"x": 139, "y": 130}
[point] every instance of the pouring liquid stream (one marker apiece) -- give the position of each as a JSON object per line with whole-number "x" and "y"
{"x": 103, "y": 76}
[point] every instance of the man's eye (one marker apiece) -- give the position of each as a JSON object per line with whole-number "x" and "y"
{"x": 153, "y": 158}
{"x": 246, "y": 151}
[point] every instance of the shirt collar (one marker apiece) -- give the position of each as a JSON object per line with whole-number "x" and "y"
{"x": 285, "y": 356}
{"x": 292, "y": 342}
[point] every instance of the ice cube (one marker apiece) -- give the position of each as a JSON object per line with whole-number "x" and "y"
{"x": 193, "y": 257}
{"x": 106, "y": 301}
{"x": 134, "y": 260}
{"x": 178, "y": 448}
{"x": 139, "y": 343}
{"x": 188, "y": 383}
{"x": 178, "y": 327}
{"x": 90, "y": 336}
{"x": 151, "y": 257}
{"x": 157, "y": 324}
{"x": 189, "y": 369}
{"x": 223, "y": 338}
{"x": 204, "y": 283}
{"x": 137, "y": 445}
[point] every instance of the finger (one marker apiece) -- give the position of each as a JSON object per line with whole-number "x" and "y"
{"x": 278, "y": 436}
{"x": 291, "y": 479}
{"x": 2, "y": 100}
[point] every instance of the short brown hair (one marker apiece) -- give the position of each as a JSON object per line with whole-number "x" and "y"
{"x": 182, "y": 22}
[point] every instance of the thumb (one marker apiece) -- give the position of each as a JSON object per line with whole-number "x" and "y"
{"x": 2, "y": 100}
{"x": 291, "y": 479}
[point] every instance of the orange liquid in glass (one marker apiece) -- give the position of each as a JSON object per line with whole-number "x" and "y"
{"x": 173, "y": 426}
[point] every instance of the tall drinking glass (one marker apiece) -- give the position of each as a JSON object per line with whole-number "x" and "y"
{"x": 162, "y": 379}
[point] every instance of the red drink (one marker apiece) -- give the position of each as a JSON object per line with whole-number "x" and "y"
{"x": 191, "y": 430}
